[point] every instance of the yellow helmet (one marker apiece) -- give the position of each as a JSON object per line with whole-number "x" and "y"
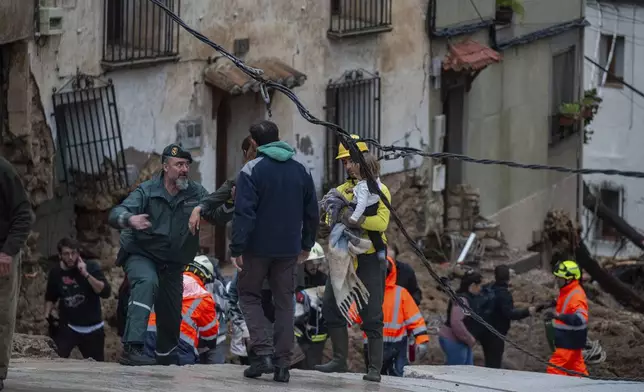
{"x": 567, "y": 269}
{"x": 344, "y": 153}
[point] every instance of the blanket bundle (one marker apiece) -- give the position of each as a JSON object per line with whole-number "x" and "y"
{"x": 344, "y": 246}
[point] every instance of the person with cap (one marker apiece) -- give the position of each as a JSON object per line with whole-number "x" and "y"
{"x": 570, "y": 321}
{"x": 502, "y": 312}
{"x": 156, "y": 245}
{"x": 275, "y": 223}
{"x": 371, "y": 272}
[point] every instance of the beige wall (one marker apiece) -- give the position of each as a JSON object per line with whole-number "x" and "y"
{"x": 16, "y": 20}
{"x": 507, "y": 117}
{"x": 152, "y": 99}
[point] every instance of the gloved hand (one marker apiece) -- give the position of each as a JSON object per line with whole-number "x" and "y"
{"x": 549, "y": 315}
{"x": 421, "y": 351}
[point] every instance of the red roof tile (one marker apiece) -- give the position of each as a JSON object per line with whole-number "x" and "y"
{"x": 469, "y": 55}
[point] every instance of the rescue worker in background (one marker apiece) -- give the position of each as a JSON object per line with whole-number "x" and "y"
{"x": 275, "y": 223}
{"x": 455, "y": 339}
{"x": 156, "y": 245}
{"x": 78, "y": 286}
{"x": 401, "y": 318}
{"x": 570, "y": 321}
{"x": 199, "y": 327}
{"x": 372, "y": 273}
{"x": 406, "y": 275}
{"x": 503, "y": 312}
{"x": 15, "y": 225}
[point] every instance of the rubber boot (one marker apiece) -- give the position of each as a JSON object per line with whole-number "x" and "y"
{"x": 259, "y": 365}
{"x": 375, "y": 360}
{"x": 340, "y": 341}
{"x": 1, "y": 385}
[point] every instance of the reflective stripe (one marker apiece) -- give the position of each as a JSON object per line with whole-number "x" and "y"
{"x": 210, "y": 326}
{"x": 142, "y": 305}
{"x": 227, "y": 210}
{"x": 165, "y": 354}
{"x": 208, "y": 337}
{"x": 192, "y": 342}
{"x": 319, "y": 338}
{"x": 413, "y": 319}
{"x": 394, "y": 324}
{"x": 580, "y": 313}
{"x": 187, "y": 317}
{"x": 419, "y": 330}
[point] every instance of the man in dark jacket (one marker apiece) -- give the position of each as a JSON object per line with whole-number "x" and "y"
{"x": 503, "y": 312}
{"x": 406, "y": 275}
{"x": 154, "y": 253}
{"x": 275, "y": 222}
{"x": 15, "y": 224}
{"x": 78, "y": 286}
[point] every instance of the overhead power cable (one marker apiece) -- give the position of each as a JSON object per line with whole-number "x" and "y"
{"x": 631, "y": 87}
{"x": 356, "y": 156}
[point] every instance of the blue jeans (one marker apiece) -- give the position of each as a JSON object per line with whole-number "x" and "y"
{"x": 456, "y": 353}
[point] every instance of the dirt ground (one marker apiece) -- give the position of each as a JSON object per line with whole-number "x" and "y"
{"x": 620, "y": 333}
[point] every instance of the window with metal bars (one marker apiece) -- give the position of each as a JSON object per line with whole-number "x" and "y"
{"x": 357, "y": 17}
{"x": 563, "y": 91}
{"x": 90, "y": 146}
{"x": 352, "y": 102}
{"x": 138, "y": 31}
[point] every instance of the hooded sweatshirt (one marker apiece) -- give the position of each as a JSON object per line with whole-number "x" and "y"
{"x": 276, "y": 209}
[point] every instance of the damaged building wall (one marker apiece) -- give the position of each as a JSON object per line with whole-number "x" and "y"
{"x": 152, "y": 99}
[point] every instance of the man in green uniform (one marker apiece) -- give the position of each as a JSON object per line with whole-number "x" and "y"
{"x": 156, "y": 245}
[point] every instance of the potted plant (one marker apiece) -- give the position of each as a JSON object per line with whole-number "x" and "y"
{"x": 505, "y": 9}
{"x": 590, "y": 103}
{"x": 569, "y": 113}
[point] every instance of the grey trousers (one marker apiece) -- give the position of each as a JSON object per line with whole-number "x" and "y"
{"x": 9, "y": 289}
{"x": 372, "y": 273}
{"x": 280, "y": 272}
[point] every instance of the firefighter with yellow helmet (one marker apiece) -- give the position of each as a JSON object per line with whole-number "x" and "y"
{"x": 370, "y": 271}
{"x": 570, "y": 321}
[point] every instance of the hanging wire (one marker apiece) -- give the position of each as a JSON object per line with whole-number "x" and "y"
{"x": 351, "y": 145}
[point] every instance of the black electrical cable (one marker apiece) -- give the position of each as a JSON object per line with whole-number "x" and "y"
{"x": 356, "y": 156}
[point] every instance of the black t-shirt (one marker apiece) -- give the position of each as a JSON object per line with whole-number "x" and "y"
{"x": 79, "y": 305}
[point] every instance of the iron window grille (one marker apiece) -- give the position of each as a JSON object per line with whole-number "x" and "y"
{"x": 90, "y": 146}
{"x": 357, "y": 17}
{"x": 138, "y": 31}
{"x": 352, "y": 102}
{"x": 563, "y": 91}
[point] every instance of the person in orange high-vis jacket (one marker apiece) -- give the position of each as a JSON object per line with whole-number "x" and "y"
{"x": 401, "y": 318}
{"x": 570, "y": 322}
{"x": 199, "y": 326}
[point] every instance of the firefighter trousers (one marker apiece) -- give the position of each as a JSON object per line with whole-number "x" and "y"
{"x": 567, "y": 359}
{"x": 159, "y": 287}
{"x": 372, "y": 273}
{"x": 9, "y": 289}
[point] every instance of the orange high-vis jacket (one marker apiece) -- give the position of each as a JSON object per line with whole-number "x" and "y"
{"x": 198, "y": 313}
{"x": 401, "y": 314}
{"x": 572, "y": 305}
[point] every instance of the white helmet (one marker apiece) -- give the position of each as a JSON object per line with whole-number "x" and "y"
{"x": 316, "y": 253}
{"x": 203, "y": 268}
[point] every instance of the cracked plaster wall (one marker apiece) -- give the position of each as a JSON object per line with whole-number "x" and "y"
{"x": 152, "y": 99}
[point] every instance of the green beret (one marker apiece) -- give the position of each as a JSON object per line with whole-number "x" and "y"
{"x": 175, "y": 151}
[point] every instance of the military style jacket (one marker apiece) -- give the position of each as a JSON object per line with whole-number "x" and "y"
{"x": 168, "y": 239}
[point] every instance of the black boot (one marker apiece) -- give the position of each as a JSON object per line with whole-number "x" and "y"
{"x": 1, "y": 385}
{"x": 133, "y": 355}
{"x": 259, "y": 364}
{"x": 375, "y": 359}
{"x": 340, "y": 340}
{"x": 281, "y": 374}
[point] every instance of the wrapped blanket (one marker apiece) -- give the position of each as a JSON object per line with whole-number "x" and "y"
{"x": 344, "y": 246}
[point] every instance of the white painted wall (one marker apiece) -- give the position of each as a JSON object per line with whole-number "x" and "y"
{"x": 619, "y": 125}
{"x": 152, "y": 99}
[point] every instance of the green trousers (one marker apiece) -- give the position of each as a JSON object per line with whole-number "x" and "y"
{"x": 9, "y": 288}
{"x": 154, "y": 287}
